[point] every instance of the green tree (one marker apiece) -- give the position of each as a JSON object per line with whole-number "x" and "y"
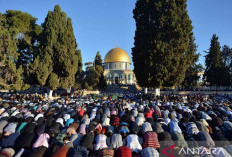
{"x": 162, "y": 49}
{"x": 57, "y": 51}
{"x": 89, "y": 64}
{"x": 192, "y": 75}
{"x": 102, "y": 82}
{"x": 80, "y": 65}
{"x": 94, "y": 74}
{"x": 98, "y": 59}
{"x": 216, "y": 73}
{"x": 100, "y": 71}
{"x": 91, "y": 80}
{"x": 79, "y": 74}
{"x": 27, "y": 33}
{"x": 98, "y": 64}
{"x": 53, "y": 81}
{"x": 226, "y": 59}
{"x": 226, "y": 55}
{"x": 44, "y": 69}
{"x": 10, "y": 76}
{"x": 31, "y": 71}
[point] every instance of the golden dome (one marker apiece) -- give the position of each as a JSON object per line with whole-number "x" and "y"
{"x": 117, "y": 55}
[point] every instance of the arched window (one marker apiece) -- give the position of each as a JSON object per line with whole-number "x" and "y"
{"x": 122, "y": 76}
{"x": 130, "y": 77}
{"x": 116, "y": 75}
{"x": 108, "y": 76}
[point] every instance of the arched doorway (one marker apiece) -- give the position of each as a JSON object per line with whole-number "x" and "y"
{"x": 116, "y": 80}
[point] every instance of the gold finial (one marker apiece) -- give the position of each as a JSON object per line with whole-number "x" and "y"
{"x": 117, "y": 44}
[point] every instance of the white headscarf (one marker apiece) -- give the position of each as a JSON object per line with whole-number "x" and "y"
{"x": 61, "y": 121}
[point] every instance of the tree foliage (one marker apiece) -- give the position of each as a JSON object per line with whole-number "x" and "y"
{"x": 80, "y": 64}
{"x": 44, "y": 69}
{"x": 79, "y": 74}
{"x": 94, "y": 74}
{"x": 98, "y": 59}
{"x": 216, "y": 73}
{"x": 91, "y": 79}
{"x": 163, "y": 42}
{"x": 100, "y": 71}
{"x": 227, "y": 60}
{"x": 98, "y": 64}
{"x": 53, "y": 81}
{"x": 57, "y": 51}
{"x": 102, "y": 82}
{"x": 226, "y": 55}
{"x": 192, "y": 75}
{"x": 27, "y": 33}
{"x": 10, "y": 76}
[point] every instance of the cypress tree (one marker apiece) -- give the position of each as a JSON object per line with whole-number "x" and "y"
{"x": 98, "y": 59}
{"x": 226, "y": 55}
{"x": 53, "y": 81}
{"x": 226, "y": 59}
{"x": 216, "y": 73}
{"x": 94, "y": 78}
{"x": 98, "y": 64}
{"x": 44, "y": 68}
{"x": 57, "y": 52}
{"x": 192, "y": 75}
{"x": 100, "y": 70}
{"x": 79, "y": 74}
{"x": 162, "y": 44}
{"x": 80, "y": 64}
{"x": 91, "y": 80}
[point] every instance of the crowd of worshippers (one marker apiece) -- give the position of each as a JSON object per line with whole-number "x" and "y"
{"x": 131, "y": 125}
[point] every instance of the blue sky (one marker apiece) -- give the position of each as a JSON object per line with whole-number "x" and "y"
{"x": 100, "y": 24}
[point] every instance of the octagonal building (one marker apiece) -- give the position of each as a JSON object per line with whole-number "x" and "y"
{"x": 117, "y": 68}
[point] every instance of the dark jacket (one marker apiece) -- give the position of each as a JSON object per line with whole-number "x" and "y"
{"x": 88, "y": 141}
{"x": 29, "y": 128}
{"x": 205, "y": 139}
{"x": 24, "y": 140}
{"x": 79, "y": 151}
{"x": 10, "y": 140}
{"x": 37, "y": 152}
